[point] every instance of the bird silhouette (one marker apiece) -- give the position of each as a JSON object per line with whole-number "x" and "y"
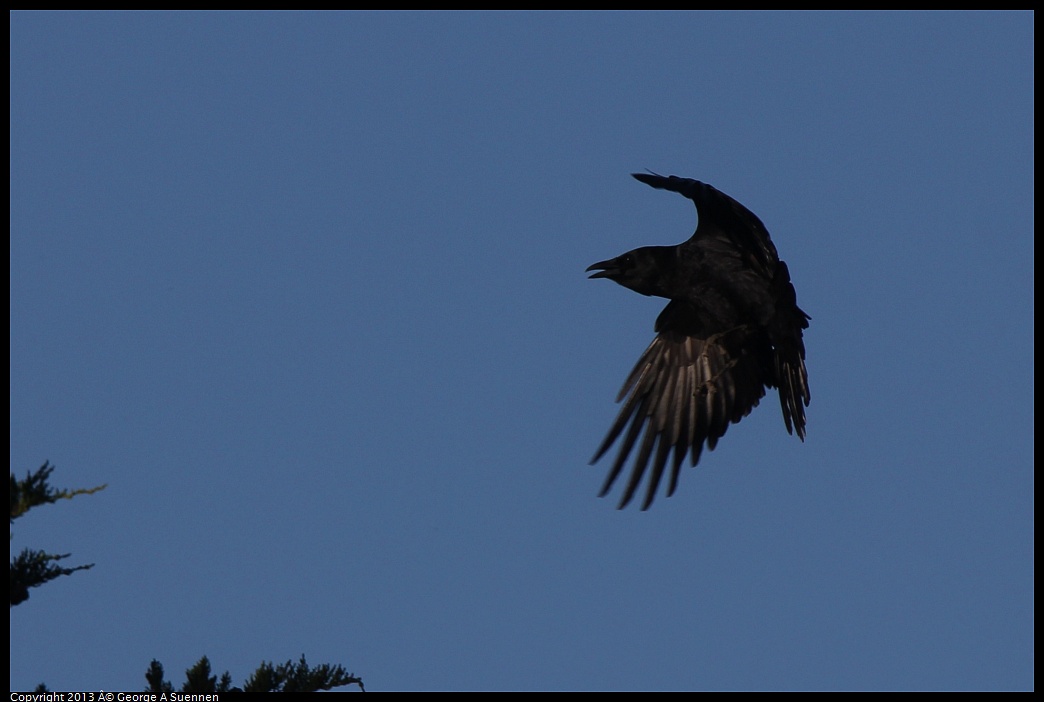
{"x": 732, "y": 329}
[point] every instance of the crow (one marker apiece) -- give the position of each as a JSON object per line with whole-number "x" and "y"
{"x": 732, "y": 329}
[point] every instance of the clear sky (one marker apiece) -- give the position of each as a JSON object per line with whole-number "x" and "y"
{"x": 307, "y": 291}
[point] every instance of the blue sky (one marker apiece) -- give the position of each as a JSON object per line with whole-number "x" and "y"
{"x": 307, "y": 292}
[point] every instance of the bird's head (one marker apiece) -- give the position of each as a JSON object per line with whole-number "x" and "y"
{"x": 641, "y": 270}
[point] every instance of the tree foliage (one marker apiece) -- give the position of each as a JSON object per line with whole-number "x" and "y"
{"x": 34, "y": 568}
{"x": 286, "y": 677}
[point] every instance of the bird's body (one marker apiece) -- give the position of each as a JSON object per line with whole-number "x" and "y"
{"x": 732, "y": 328}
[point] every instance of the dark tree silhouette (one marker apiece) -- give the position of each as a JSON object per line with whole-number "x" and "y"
{"x": 287, "y": 677}
{"x": 34, "y": 568}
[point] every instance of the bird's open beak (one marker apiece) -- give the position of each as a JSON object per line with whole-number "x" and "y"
{"x": 606, "y": 269}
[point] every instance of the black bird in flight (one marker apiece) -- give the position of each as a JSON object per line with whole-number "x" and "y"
{"x": 731, "y": 329}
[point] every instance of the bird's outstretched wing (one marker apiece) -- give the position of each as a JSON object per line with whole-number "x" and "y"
{"x": 722, "y": 217}
{"x": 683, "y": 393}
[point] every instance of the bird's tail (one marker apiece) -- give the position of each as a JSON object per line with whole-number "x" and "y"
{"x": 786, "y": 332}
{"x": 794, "y": 397}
